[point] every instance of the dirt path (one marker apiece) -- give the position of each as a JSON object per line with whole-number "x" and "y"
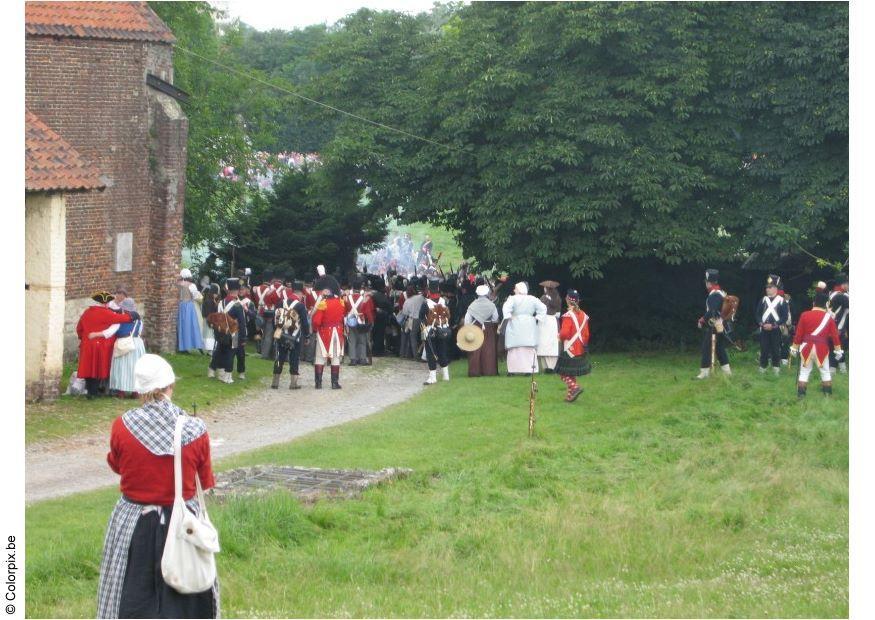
{"x": 261, "y": 418}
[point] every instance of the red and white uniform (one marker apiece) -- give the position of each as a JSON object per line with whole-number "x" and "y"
{"x": 311, "y": 300}
{"x": 328, "y": 325}
{"x": 258, "y": 293}
{"x": 815, "y": 332}
{"x": 276, "y": 296}
{"x": 575, "y": 332}
{"x": 361, "y": 305}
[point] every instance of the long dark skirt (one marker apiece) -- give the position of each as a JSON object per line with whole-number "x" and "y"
{"x": 484, "y": 361}
{"x": 573, "y": 366}
{"x": 144, "y": 594}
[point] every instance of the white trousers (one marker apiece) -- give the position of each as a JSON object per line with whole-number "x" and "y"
{"x": 322, "y": 360}
{"x": 805, "y": 369}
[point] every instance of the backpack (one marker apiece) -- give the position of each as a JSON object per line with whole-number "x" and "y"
{"x": 438, "y": 319}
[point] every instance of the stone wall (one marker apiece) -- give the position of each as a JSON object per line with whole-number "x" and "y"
{"x": 94, "y": 94}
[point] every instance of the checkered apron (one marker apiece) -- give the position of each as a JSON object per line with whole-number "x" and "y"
{"x": 152, "y": 425}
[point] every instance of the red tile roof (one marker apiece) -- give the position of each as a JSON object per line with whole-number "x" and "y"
{"x": 50, "y": 163}
{"x": 127, "y": 21}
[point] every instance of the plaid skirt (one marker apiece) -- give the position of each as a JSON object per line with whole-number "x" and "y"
{"x": 573, "y": 366}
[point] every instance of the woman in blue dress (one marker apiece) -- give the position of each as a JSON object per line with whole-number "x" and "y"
{"x": 188, "y": 328}
{"x": 126, "y": 353}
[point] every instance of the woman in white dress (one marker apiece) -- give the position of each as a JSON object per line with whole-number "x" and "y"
{"x": 522, "y": 313}
{"x": 548, "y": 327}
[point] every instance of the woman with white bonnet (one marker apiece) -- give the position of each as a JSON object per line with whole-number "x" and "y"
{"x": 141, "y": 452}
{"x": 128, "y": 349}
{"x": 482, "y": 313}
{"x": 522, "y": 312}
{"x": 188, "y": 329}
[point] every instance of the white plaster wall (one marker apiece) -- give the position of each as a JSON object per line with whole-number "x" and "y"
{"x": 44, "y": 272}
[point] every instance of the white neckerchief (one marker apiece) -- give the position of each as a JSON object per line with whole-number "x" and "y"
{"x": 771, "y": 308}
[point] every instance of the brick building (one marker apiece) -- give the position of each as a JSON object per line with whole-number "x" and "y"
{"x": 100, "y": 75}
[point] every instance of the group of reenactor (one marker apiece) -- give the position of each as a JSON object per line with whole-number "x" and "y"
{"x": 818, "y": 336}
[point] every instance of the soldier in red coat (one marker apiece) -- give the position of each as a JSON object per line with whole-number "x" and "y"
{"x": 95, "y": 349}
{"x": 328, "y": 328}
{"x": 816, "y": 332}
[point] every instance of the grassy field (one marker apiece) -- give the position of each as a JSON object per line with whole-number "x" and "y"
{"x": 70, "y": 415}
{"x": 442, "y": 240}
{"x": 653, "y": 495}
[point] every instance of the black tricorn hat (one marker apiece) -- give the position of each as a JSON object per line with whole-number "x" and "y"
{"x": 712, "y": 276}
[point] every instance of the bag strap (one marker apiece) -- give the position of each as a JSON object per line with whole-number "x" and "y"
{"x": 177, "y": 456}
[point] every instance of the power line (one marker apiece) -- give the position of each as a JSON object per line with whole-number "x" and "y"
{"x": 308, "y": 99}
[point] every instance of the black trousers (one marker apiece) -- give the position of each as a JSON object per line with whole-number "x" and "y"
{"x": 722, "y": 355}
{"x": 436, "y": 352}
{"x": 770, "y": 347}
{"x": 223, "y": 357}
{"x": 144, "y": 592}
{"x": 378, "y": 347}
{"x": 284, "y": 354}
{"x": 240, "y": 354}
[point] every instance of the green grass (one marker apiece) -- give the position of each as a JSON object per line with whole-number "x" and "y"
{"x": 72, "y": 415}
{"x": 442, "y": 241}
{"x": 653, "y": 495}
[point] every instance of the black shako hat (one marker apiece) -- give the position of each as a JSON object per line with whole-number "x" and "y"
{"x": 572, "y": 294}
{"x": 773, "y": 280}
{"x": 434, "y": 286}
{"x": 232, "y": 284}
{"x": 821, "y": 299}
{"x": 841, "y": 278}
{"x": 327, "y": 282}
{"x": 712, "y": 276}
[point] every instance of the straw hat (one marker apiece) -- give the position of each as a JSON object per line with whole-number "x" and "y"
{"x": 469, "y": 338}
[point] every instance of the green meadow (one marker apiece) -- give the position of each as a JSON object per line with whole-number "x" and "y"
{"x": 652, "y": 495}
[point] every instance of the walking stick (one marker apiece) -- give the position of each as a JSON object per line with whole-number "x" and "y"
{"x": 713, "y": 350}
{"x": 533, "y": 390}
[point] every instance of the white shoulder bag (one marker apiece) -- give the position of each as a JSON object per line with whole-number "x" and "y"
{"x": 188, "y": 563}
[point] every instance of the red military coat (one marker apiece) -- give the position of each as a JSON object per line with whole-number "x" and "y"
{"x": 815, "y": 332}
{"x": 366, "y": 310}
{"x": 276, "y": 297}
{"x": 569, "y": 332}
{"x": 328, "y": 325}
{"x": 95, "y": 356}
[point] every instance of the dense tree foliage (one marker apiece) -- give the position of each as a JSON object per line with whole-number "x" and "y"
{"x": 225, "y": 115}
{"x": 581, "y": 133}
{"x": 314, "y": 216}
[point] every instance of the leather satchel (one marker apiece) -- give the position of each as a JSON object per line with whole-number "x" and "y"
{"x": 188, "y": 563}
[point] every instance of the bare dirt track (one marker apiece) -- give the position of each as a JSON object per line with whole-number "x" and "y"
{"x": 261, "y": 418}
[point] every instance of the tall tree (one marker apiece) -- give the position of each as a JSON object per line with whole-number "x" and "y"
{"x": 225, "y": 112}
{"x": 580, "y": 133}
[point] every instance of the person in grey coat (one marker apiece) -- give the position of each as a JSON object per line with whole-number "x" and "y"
{"x": 522, "y": 313}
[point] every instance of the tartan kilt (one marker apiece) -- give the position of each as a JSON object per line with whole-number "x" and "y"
{"x": 573, "y": 366}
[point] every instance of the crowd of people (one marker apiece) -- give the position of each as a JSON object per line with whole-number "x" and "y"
{"x": 399, "y": 256}
{"x": 820, "y": 336}
{"x": 327, "y": 320}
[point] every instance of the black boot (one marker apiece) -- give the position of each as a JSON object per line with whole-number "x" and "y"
{"x": 801, "y": 390}
{"x": 276, "y": 381}
{"x": 827, "y": 389}
{"x": 318, "y": 370}
{"x": 335, "y": 377}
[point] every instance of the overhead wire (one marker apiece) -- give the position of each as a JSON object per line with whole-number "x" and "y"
{"x": 314, "y": 101}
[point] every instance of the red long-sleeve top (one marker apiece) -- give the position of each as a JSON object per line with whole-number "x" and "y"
{"x": 568, "y": 331}
{"x": 147, "y": 478}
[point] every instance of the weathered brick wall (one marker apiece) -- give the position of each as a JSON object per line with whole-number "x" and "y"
{"x": 94, "y": 94}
